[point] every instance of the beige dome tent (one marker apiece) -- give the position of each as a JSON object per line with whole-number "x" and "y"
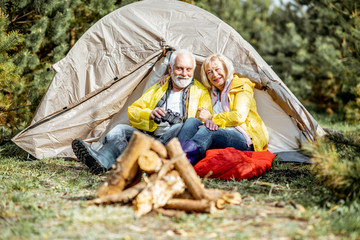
{"x": 121, "y": 55}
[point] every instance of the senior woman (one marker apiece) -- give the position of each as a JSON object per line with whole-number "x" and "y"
{"x": 235, "y": 121}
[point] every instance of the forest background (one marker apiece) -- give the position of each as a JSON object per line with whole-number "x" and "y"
{"x": 312, "y": 45}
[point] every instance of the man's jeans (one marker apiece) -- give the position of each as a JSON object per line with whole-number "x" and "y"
{"x": 206, "y": 139}
{"x": 120, "y": 135}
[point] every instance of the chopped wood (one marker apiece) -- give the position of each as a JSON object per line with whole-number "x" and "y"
{"x": 122, "y": 197}
{"x": 214, "y": 194}
{"x": 150, "y": 162}
{"x": 136, "y": 179}
{"x": 189, "y": 205}
{"x": 186, "y": 170}
{"x": 220, "y": 203}
{"x": 232, "y": 198}
{"x": 171, "y": 186}
{"x": 159, "y": 148}
{"x": 222, "y": 197}
{"x": 184, "y": 195}
{"x": 157, "y": 193}
{"x": 168, "y": 165}
{"x": 126, "y": 165}
{"x": 169, "y": 212}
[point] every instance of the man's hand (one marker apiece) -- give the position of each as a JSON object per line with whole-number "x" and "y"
{"x": 203, "y": 114}
{"x": 157, "y": 112}
{"x": 211, "y": 125}
{"x": 163, "y": 79}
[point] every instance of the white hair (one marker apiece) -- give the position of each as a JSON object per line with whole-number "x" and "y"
{"x": 181, "y": 52}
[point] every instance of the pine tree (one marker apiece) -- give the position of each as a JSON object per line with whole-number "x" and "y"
{"x": 322, "y": 69}
{"x": 11, "y": 84}
{"x": 312, "y": 45}
{"x": 248, "y": 18}
{"x": 336, "y": 162}
{"x": 49, "y": 28}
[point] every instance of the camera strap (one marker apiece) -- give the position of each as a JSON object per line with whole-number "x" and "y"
{"x": 184, "y": 98}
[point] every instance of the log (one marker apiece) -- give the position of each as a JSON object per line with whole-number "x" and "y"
{"x": 159, "y": 148}
{"x": 122, "y": 197}
{"x": 126, "y": 166}
{"x": 232, "y": 197}
{"x": 189, "y": 205}
{"x": 157, "y": 193}
{"x": 214, "y": 194}
{"x": 167, "y": 166}
{"x": 150, "y": 162}
{"x": 186, "y": 170}
{"x": 222, "y": 197}
{"x": 184, "y": 195}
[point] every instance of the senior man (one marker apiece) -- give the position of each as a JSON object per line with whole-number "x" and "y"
{"x": 151, "y": 113}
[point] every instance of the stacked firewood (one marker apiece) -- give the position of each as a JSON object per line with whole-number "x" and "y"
{"x": 154, "y": 177}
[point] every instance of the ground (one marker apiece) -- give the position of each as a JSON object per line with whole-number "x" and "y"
{"x": 48, "y": 199}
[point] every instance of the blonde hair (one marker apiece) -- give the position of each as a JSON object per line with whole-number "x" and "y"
{"x": 227, "y": 64}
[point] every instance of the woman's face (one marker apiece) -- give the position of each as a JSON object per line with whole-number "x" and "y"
{"x": 216, "y": 74}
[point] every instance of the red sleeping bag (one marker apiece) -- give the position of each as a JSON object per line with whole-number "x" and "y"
{"x": 230, "y": 163}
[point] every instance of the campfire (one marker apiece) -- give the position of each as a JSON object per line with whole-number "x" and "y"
{"x": 157, "y": 178}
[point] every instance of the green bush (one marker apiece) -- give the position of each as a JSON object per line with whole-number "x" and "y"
{"x": 336, "y": 160}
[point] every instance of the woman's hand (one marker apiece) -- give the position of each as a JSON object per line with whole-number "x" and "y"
{"x": 211, "y": 125}
{"x": 203, "y": 114}
{"x": 163, "y": 79}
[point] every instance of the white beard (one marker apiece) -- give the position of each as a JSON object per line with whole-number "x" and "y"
{"x": 180, "y": 81}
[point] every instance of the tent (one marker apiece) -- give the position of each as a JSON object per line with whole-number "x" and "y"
{"x": 122, "y": 54}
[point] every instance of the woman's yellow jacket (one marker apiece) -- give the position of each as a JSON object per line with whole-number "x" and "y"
{"x": 244, "y": 113}
{"x": 139, "y": 112}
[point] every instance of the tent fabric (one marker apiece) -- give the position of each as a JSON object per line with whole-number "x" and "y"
{"x": 293, "y": 156}
{"x": 121, "y": 55}
{"x": 232, "y": 164}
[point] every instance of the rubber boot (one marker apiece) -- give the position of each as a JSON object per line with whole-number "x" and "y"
{"x": 192, "y": 151}
{"x": 98, "y": 162}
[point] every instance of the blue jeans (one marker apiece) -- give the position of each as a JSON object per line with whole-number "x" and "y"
{"x": 121, "y": 134}
{"x": 206, "y": 139}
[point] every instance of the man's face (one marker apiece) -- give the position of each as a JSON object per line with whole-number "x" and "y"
{"x": 183, "y": 70}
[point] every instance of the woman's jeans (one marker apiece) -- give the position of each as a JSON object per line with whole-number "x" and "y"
{"x": 206, "y": 139}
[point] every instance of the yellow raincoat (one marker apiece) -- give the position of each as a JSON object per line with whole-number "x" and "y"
{"x": 244, "y": 113}
{"x": 139, "y": 112}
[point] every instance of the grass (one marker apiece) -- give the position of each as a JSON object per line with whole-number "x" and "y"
{"x": 47, "y": 199}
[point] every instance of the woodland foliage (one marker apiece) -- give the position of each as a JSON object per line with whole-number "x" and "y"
{"x": 35, "y": 35}
{"x": 314, "y": 47}
{"x": 11, "y": 82}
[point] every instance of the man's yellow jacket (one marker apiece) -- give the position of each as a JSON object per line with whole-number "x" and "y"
{"x": 139, "y": 112}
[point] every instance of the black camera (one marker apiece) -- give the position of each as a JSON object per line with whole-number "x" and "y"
{"x": 170, "y": 117}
